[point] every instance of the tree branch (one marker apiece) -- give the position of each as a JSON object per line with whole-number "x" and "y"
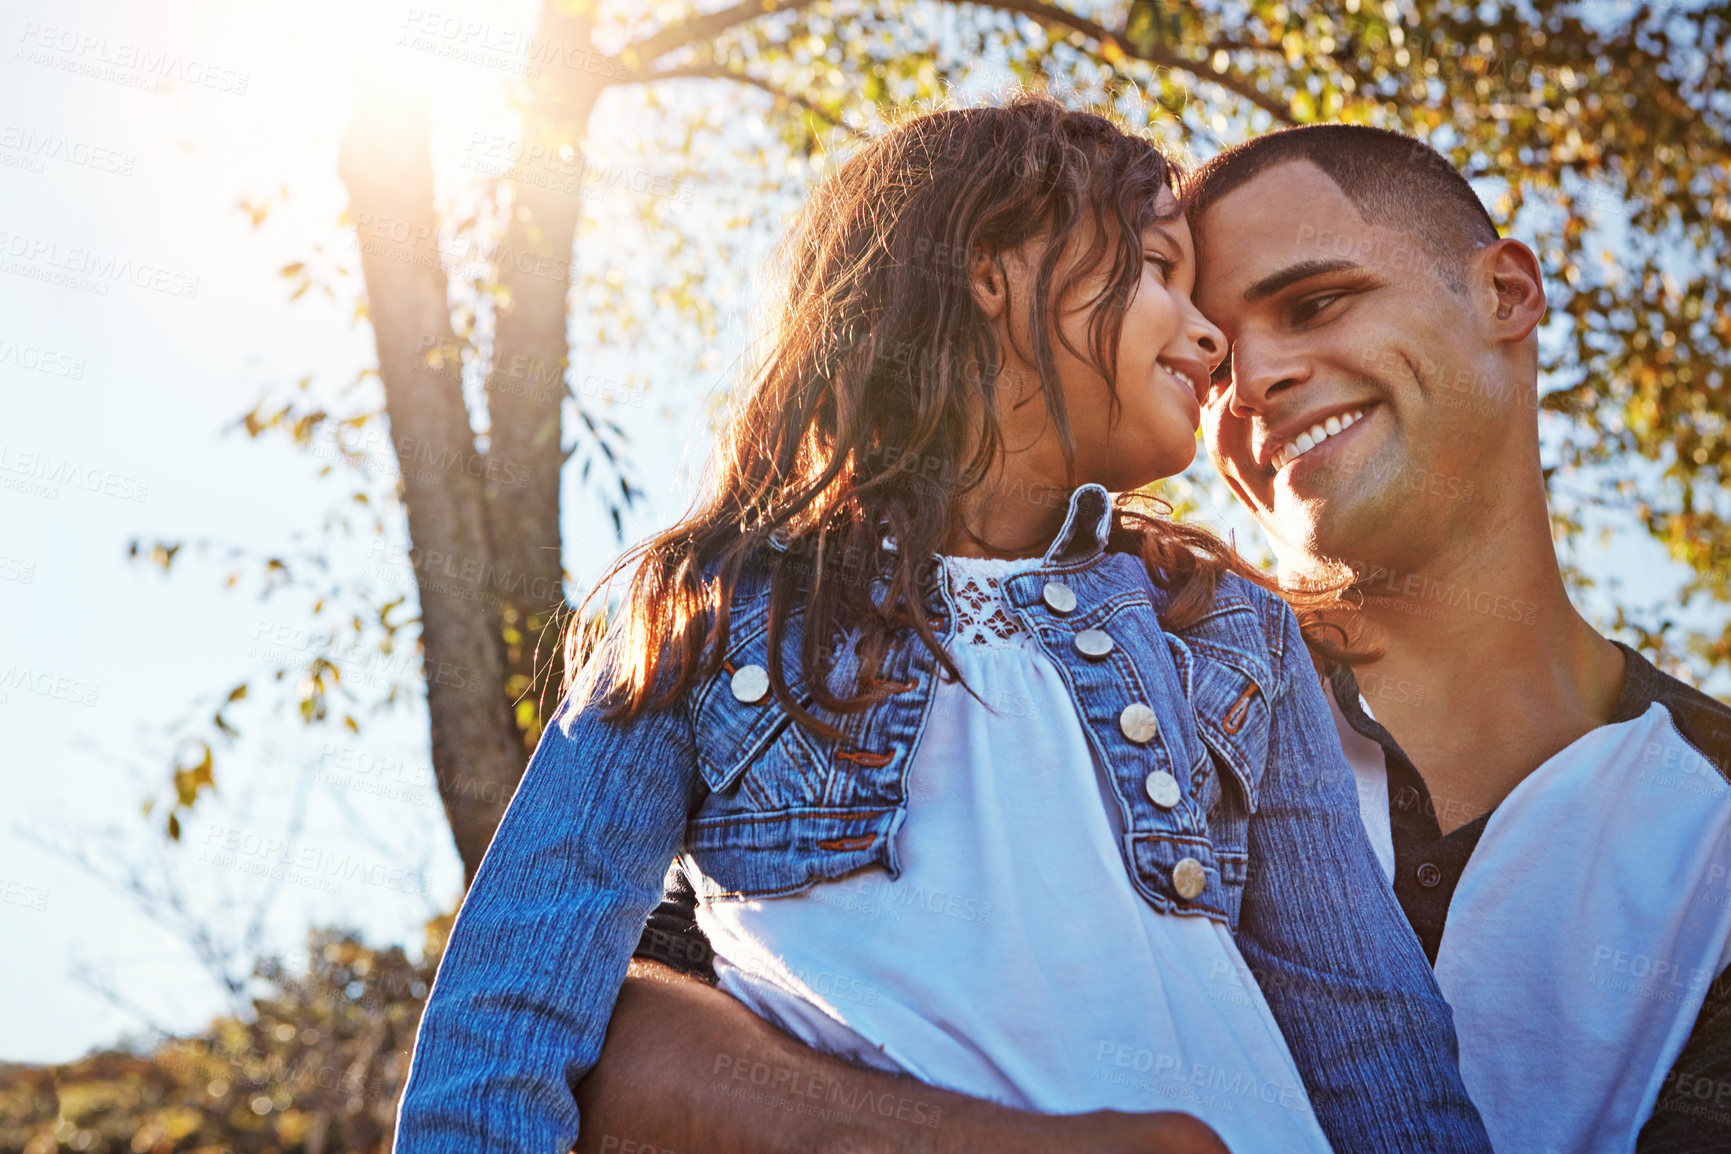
{"x": 716, "y": 72}
{"x": 704, "y": 27}
{"x": 1109, "y": 42}
{"x": 714, "y": 23}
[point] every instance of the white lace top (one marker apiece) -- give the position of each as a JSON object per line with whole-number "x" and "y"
{"x": 1012, "y": 959}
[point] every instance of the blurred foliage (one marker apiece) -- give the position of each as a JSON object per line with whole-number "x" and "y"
{"x": 1602, "y": 129}
{"x": 315, "y": 1069}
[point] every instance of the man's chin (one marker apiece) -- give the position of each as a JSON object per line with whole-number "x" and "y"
{"x": 1311, "y": 531}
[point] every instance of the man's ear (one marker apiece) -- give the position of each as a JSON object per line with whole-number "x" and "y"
{"x": 990, "y": 284}
{"x": 1517, "y": 288}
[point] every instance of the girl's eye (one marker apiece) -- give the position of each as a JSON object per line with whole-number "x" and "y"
{"x": 1164, "y": 264}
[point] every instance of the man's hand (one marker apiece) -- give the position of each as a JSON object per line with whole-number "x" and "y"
{"x": 688, "y": 1070}
{"x": 1109, "y": 1132}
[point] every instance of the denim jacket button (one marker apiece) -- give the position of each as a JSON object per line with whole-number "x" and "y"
{"x": 750, "y": 683}
{"x": 1188, "y": 878}
{"x": 1094, "y": 643}
{"x": 1162, "y": 789}
{"x": 1138, "y": 723}
{"x": 1059, "y": 597}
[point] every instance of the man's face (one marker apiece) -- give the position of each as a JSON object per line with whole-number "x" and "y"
{"x": 1358, "y": 401}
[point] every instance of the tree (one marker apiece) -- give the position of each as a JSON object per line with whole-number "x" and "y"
{"x": 1609, "y": 132}
{"x": 316, "y": 1066}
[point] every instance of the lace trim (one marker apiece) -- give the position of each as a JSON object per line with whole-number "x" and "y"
{"x": 983, "y": 616}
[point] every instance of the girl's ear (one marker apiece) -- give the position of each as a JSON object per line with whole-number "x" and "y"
{"x": 989, "y": 283}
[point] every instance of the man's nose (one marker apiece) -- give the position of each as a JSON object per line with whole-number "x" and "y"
{"x": 1261, "y": 371}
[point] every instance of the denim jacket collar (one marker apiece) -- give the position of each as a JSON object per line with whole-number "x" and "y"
{"x": 1086, "y": 528}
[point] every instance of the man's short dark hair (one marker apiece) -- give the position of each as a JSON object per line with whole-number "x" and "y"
{"x": 1393, "y": 180}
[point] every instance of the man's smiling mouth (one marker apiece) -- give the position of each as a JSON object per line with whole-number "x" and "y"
{"x": 1314, "y": 436}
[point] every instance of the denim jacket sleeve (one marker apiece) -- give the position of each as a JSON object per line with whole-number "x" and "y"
{"x": 536, "y": 957}
{"x": 1323, "y": 934}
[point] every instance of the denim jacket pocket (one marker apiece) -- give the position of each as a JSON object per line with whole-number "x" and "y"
{"x": 753, "y": 755}
{"x": 1232, "y": 716}
{"x": 768, "y": 827}
{"x": 773, "y": 854}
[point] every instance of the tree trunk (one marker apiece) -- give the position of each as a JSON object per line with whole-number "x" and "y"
{"x": 531, "y": 354}
{"x": 477, "y": 751}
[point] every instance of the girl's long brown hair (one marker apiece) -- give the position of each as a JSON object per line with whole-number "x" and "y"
{"x": 875, "y": 406}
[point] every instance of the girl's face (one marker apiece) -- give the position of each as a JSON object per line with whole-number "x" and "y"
{"x": 1166, "y": 352}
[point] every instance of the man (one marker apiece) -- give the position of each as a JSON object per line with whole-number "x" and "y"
{"x": 1553, "y": 813}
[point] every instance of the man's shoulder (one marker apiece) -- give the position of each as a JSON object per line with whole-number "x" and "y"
{"x": 1704, "y": 722}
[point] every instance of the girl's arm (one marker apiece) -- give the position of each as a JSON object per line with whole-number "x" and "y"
{"x": 1332, "y": 950}
{"x": 528, "y": 980}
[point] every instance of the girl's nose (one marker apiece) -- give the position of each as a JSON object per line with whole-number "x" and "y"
{"x": 1211, "y": 341}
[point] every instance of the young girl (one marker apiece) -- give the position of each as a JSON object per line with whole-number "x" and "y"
{"x": 922, "y": 710}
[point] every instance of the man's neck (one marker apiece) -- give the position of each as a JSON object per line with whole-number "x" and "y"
{"x": 1488, "y": 669}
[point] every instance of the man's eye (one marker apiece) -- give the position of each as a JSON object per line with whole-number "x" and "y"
{"x": 1309, "y": 309}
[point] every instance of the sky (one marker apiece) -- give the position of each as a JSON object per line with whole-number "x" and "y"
{"x": 141, "y": 313}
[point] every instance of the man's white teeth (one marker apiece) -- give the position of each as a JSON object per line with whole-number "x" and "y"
{"x": 1314, "y": 436}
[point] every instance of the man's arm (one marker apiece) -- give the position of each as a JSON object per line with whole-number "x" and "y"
{"x": 1693, "y": 1113}
{"x": 688, "y": 1069}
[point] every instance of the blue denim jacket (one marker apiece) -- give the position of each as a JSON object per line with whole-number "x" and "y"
{"x": 764, "y": 807}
